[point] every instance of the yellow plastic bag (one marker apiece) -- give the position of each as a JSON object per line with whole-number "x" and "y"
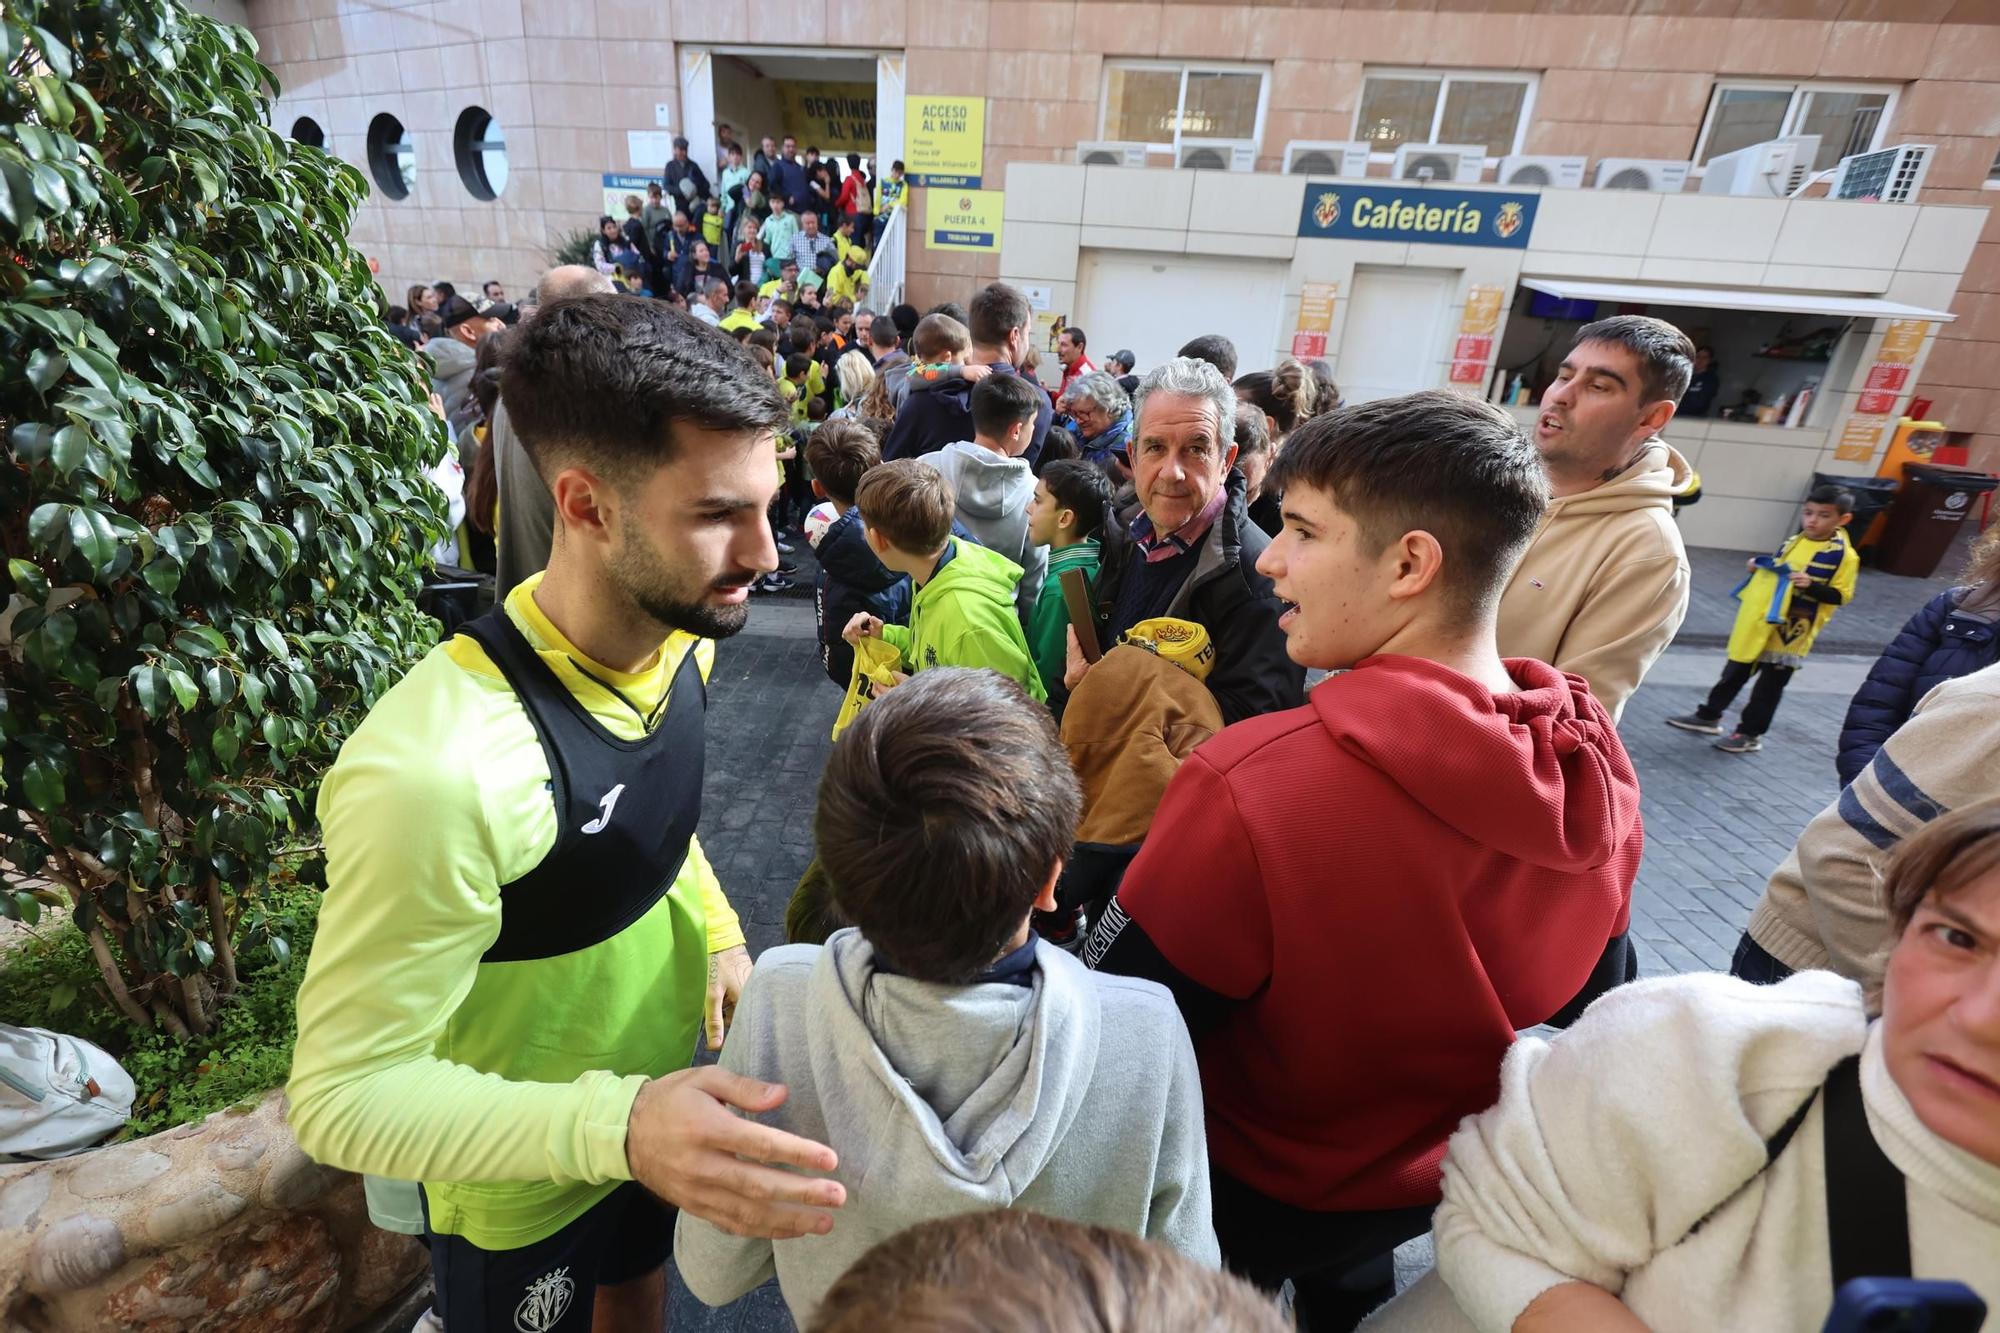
{"x": 875, "y": 664}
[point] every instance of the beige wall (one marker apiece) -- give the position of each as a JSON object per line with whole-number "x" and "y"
{"x": 1626, "y": 78}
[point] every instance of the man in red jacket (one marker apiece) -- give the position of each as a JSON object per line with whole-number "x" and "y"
{"x": 1357, "y": 902}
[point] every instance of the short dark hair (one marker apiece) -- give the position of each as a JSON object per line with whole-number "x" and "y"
{"x": 602, "y": 380}
{"x": 490, "y": 284}
{"x": 1084, "y": 488}
{"x": 1009, "y": 1270}
{"x": 997, "y": 310}
{"x": 1077, "y": 336}
{"x": 398, "y": 314}
{"x": 785, "y": 263}
{"x": 1454, "y": 466}
{"x": 943, "y": 811}
{"x": 1059, "y": 445}
{"x": 884, "y": 334}
{"x": 840, "y": 453}
{"x": 444, "y": 290}
{"x": 1252, "y": 437}
{"x": 796, "y": 365}
{"x": 803, "y": 335}
{"x": 1666, "y": 355}
{"x": 1003, "y": 401}
{"x": 904, "y": 317}
{"x": 745, "y": 292}
{"x": 1838, "y": 497}
{"x": 909, "y": 503}
{"x": 825, "y": 324}
{"x": 764, "y": 336}
{"x": 1215, "y": 349}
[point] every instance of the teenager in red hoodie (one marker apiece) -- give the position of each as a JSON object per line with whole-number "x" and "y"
{"x": 1357, "y": 902}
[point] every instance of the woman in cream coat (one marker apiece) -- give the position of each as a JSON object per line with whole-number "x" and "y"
{"x": 1626, "y": 1181}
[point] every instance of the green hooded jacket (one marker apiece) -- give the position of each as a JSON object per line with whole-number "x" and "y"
{"x": 965, "y": 617}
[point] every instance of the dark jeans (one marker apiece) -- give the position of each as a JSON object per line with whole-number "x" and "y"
{"x": 1266, "y": 1242}
{"x": 1764, "y": 695}
{"x": 1753, "y": 963}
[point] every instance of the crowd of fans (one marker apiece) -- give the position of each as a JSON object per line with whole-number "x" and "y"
{"x": 1110, "y": 920}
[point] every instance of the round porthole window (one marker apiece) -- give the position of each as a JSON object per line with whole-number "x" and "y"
{"x": 480, "y": 148}
{"x": 392, "y": 158}
{"x": 306, "y": 130}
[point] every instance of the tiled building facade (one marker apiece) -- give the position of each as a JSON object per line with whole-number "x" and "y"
{"x": 566, "y": 79}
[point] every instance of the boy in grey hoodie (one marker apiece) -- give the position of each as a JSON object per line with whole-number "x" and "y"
{"x": 993, "y": 487}
{"x": 952, "y": 1060}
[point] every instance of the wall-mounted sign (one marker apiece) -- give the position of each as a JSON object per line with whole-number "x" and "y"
{"x": 1858, "y": 442}
{"x": 1315, "y": 319}
{"x": 962, "y": 219}
{"x": 618, "y": 184}
{"x": 832, "y": 117}
{"x": 1482, "y": 310}
{"x": 648, "y": 150}
{"x": 1408, "y": 211}
{"x": 1472, "y": 354}
{"x": 1892, "y": 376}
{"x": 944, "y": 140}
{"x": 1875, "y": 403}
{"x": 1902, "y": 339}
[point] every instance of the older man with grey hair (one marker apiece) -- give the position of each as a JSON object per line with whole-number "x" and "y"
{"x": 1193, "y": 553}
{"x": 1103, "y": 417}
{"x": 527, "y": 510}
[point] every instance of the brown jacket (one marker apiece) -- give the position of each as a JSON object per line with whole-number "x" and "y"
{"x": 1605, "y": 582}
{"x": 1127, "y": 728}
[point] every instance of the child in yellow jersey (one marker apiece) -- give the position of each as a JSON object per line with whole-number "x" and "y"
{"x": 1785, "y": 601}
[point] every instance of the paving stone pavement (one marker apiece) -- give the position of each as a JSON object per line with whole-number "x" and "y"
{"x": 1716, "y": 824}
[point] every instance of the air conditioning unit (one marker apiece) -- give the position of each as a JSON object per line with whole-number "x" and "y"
{"x": 1768, "y": 170}
{"x": 1217, "y": 154}
{"x": 1459, "y": 162}
{"x": 1308, "y": 157}
{"x": 1563, "y": 173}
{"x": 1660, "y": 175}
{"x": 1890, "y": 175}
{"x": 1092, "y": 153}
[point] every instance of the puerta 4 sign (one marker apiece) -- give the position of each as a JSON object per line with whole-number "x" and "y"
{"x": 1391, "y": 210}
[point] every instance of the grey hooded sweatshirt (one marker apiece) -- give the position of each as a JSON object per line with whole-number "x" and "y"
{"x": 993, "y": 493}
{"x": 1075, "y": 1095}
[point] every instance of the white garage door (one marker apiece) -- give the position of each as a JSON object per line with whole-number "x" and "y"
{"x": 1154, "y": 303}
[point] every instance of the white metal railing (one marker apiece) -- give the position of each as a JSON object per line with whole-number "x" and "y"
{"x": 885, "y": 266}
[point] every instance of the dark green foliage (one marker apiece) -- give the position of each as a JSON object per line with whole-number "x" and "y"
{"x": 572, "y": 248}
{"x": 212, "y": 501}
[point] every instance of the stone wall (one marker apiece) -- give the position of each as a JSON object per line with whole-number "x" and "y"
{"x": 208, "y": 1228}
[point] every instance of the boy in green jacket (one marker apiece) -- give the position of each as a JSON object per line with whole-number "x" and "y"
{"x": 1071, "y": 515}
{"x": 963, "y": 612}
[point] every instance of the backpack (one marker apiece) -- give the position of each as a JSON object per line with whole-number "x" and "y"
{"x": 58, "y": 1094}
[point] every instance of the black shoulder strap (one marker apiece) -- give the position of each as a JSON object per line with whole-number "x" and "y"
{"x": 532, "y": 681}
{"x": 1867, "y": 1206}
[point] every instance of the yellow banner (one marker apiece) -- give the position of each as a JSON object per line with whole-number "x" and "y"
{"x": 832, "y": 117}
{"x": 1482, "y": 310}
{"x": 1902, "y": 339}
{"x": 962, "y": 219}
{"x": 944, "y": 140}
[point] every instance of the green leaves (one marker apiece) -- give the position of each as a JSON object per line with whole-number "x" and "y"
{"x": 219, "y": 458}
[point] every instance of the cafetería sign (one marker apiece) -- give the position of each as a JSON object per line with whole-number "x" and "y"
{"x": 1408, "y": 211}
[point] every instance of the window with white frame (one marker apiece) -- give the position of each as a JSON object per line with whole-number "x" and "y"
{"x": 1847, "y": 117}
{"x": 1435, "y": 106}
{"x": 1160, "y": 104}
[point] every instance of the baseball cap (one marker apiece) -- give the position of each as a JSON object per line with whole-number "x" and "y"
{"x": 456, "y": 311}
{"x": 500, "y": 310}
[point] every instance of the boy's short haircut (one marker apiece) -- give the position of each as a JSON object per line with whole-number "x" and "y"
{"x": 904, "y": 317}
{"x": 1666, "y": 355}
{"x": 1456, "y": 467}
{"x": 1003, "y": 401}
{"x": 908, "y": 503}
{"x": 764, "y": 336}
{"x": 744, "y": 292}
{"x": 997, "y": 310}
{"x": 741, "y": 333}
{"x": 840, "y": 453}
{"x": 816, "y": 408}
{"x": 796, "y": 365}
{"x": 1083, "y": 488}
{"x": 1842, "y": 500}
{"x": 943, "y": 811}
{"x": 883, "y": 334}
{"x": 938, "y": 337}
{"x": 1058, "y": 446}
{"x": 577, "y": 395}
{"x": 803, "y": 335}
{"x": 825, "y": 324}
{"x": 1215, "y": 349}
{"x": 897, "y": 165}
{"x": 1008, "y": 1270}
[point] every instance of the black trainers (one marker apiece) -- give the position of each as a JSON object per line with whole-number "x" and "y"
{"x": 1737, "y": 743}
{"x": 772, "y": 583}
{"x": 1697, "y": 723}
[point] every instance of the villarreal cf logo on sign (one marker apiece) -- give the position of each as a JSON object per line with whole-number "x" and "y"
{"x": 1327, "y": 211}
{"x": 1507, "y": 221}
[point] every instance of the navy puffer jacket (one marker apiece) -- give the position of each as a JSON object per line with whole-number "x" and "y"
{"x": 1941, "y": 642}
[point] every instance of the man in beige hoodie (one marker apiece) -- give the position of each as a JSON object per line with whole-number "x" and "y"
{"x": 1605, "y": 584}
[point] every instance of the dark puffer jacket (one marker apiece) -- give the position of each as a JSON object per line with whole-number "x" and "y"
{"x": 1941, "y": 642}
{"x": 851, "y": 579}
{"x": 1226, "y": 595}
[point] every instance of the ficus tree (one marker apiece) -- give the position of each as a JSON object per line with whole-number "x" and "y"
{"x": 213, "y": 504}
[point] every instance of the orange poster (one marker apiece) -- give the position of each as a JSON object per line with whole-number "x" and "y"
{"x": 1482, "y": 310}
{"x": 1858, "y": 442}
{"x": 1902, "y": 339}
{"x": 1316, "y": 307}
